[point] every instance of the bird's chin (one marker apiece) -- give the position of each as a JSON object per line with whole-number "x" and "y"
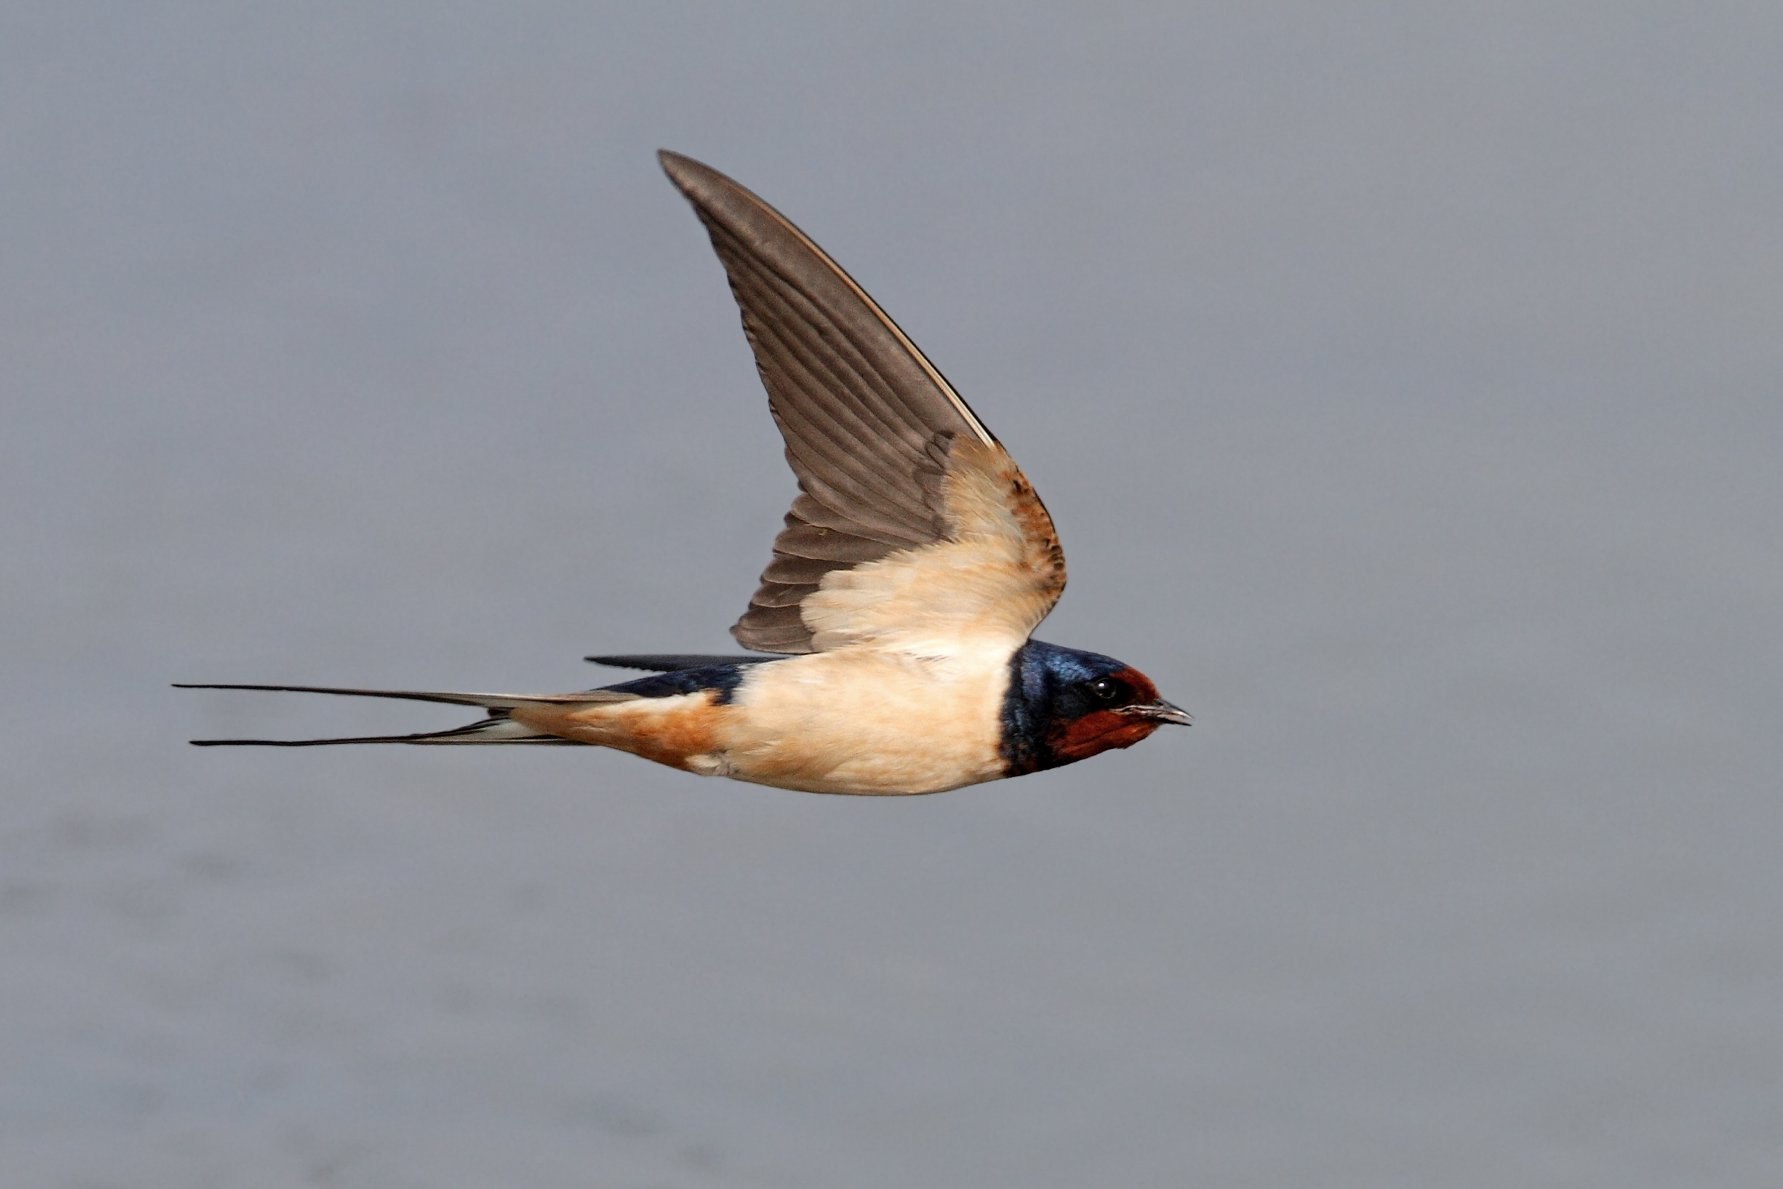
{"x": 1100, "y": 731}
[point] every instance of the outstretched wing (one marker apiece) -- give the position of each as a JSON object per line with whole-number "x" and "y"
{"x": 913, "y": 528}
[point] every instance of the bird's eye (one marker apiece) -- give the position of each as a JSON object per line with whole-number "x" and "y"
{"x": 1106, "y": 689}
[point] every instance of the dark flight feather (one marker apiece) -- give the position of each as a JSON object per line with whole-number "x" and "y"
{"x": 675, "y": 662}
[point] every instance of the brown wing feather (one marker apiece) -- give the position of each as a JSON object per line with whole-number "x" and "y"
{"x": 874, "y": 433}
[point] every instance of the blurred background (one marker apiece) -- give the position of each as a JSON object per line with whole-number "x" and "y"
{"x": 1404, "y": 383}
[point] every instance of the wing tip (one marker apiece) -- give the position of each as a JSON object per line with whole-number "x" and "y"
{"x": 687, "y": 174}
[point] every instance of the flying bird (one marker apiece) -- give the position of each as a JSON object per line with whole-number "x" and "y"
{"x": 896, "y": 611}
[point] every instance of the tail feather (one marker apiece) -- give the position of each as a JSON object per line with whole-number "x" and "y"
{"x": 486, "y": 701}
{"x": 490, "y": 730}
{"x": 497, "y": 728}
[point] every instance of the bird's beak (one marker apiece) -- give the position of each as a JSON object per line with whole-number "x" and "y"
{"x": 1160, "y": 711}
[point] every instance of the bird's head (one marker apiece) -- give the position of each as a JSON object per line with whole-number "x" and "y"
{"x": 1065, "y": 705}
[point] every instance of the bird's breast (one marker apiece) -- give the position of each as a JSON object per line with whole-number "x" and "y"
{"x": 867, "y": 722}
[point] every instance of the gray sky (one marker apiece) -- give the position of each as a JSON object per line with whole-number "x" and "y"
{"x": 1404, "y": 383}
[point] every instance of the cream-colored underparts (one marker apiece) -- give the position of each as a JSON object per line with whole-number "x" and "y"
{"x": 868, "y": 722}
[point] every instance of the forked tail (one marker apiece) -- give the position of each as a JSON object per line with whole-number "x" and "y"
{"x": 497, "y": 728}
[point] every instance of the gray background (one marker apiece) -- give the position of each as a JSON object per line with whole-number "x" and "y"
{"x": 1404, "y": 382}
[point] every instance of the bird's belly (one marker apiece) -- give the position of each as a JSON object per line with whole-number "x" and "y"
{"x": 866, "y": 724}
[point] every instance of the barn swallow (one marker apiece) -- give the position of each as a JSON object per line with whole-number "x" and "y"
{"x": 897, "y": 608}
